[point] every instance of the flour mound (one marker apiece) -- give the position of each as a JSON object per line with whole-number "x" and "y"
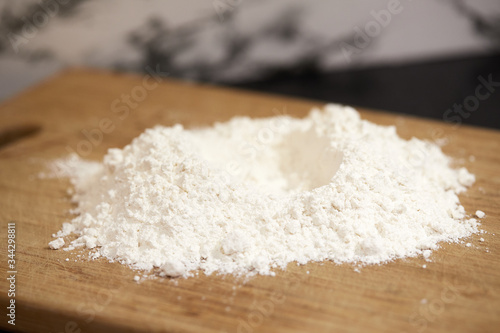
{"x": 250, "y": 195}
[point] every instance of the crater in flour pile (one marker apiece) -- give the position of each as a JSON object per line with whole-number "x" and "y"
{"x": 270, "y": 156}
{"x": 251, "y": 195}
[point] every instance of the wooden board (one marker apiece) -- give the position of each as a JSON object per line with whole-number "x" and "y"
{"x": 459, "y": 290}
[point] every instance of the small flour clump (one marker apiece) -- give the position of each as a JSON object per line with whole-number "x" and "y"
{"x": 250, "y": 195}
{"x": 56, "y": 243}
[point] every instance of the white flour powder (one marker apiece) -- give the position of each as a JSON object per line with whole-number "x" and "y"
{"x": 247, "y": 196}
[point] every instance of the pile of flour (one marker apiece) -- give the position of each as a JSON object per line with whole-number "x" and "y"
{"x": 250, "y": 195}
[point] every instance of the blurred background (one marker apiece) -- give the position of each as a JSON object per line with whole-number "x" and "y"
{"x": 431, "y": 58}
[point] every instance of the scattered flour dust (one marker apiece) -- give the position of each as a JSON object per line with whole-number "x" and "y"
{"x": 250, "y": 195}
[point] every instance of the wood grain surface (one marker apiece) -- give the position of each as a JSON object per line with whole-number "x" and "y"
{"x": 458, "y": 291}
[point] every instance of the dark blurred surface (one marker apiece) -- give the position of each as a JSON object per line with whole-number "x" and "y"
{"x": 426, "y": 90}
